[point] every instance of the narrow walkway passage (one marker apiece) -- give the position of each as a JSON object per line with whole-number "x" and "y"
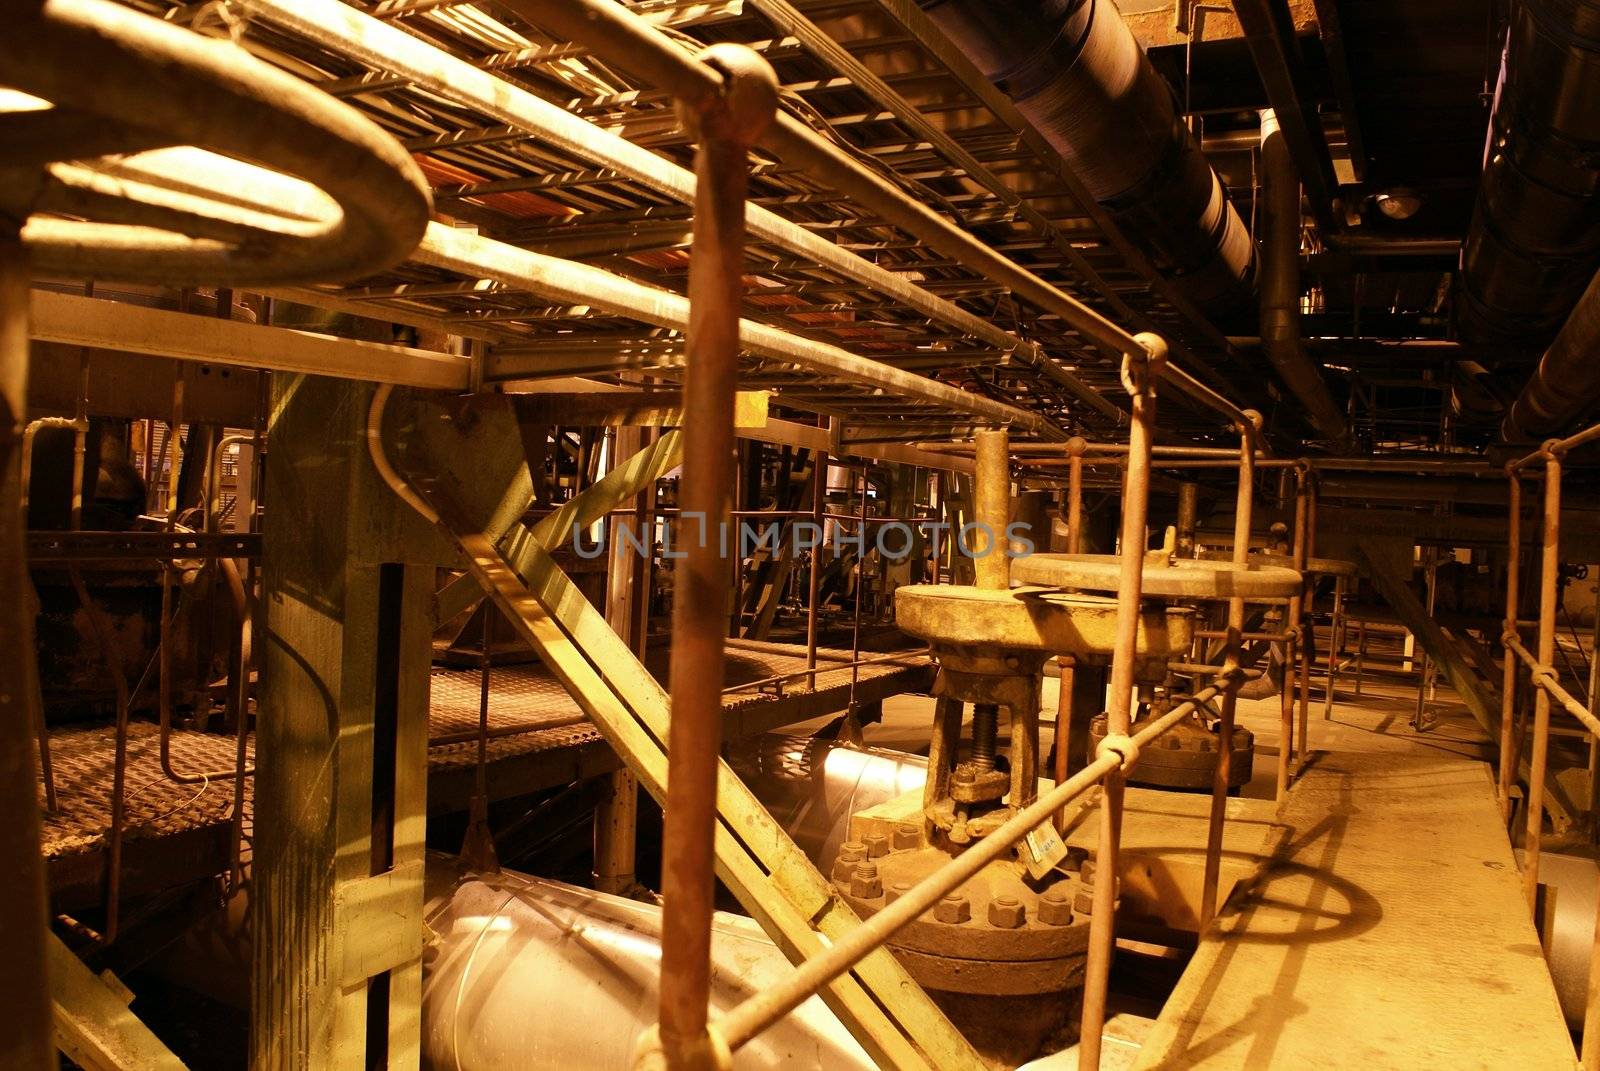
{"x": 1389, "y": 932}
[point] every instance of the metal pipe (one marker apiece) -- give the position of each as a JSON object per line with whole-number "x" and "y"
{"x": 1244, "y": 504}
{"x": 861, "y": 590}
{"x": 1549, "y": 601}
{"x": 992, "y": 494}
{"x": 1280, "y": 284}
{"x": 1065, "y": 707}
{"x": 897, "y": 658}
{"x": 1508, "y": 766}
{"x": 1335, "y": 629}
{"x": 1544, "y": 676}
{"x": 1188, "y": 516}
{"x": 1076, "y": 72}
{"x": 528, "y": 972}
{"x": 819, "y": 501}
{"x": 1301, "y": 608}
{"x": 1140, "y": 374}
{"x": 725, "y": 126}
{"x": 580, "y": 284}
{"x": 758, "y": 1012}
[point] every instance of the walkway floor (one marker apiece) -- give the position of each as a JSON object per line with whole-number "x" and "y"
{"x": 1389, "y": 931}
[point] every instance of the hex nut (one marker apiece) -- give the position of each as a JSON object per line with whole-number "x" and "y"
{"x": 1007, "y": 912}
{"x": 1086, "y": 871}
{"x": 897, "y": 890}
{"x": 877, "y": 845}
{"x": 954, "y": 909}
{"x": 907, "y": 835}
{"x": 844, "y": 865}
{"x": 866, "y": 884}
{"x": 1055, "y": 906}
{"x": 1083, "y": 903}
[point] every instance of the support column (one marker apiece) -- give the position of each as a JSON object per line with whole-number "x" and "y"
{"x": 341, "y": 747}
{"x": 25, "y": 1043}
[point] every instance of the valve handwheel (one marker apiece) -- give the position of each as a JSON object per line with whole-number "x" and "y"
{"x": 155, "y": 154}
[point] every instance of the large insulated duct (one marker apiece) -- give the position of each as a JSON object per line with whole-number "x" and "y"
{"x": 1566, "y": 384}
{"x": 520, "y": 972}
{"x": 1280, "y": 284}
{"x": 1535, "y": 234}
{"x": 1075, "y": 71}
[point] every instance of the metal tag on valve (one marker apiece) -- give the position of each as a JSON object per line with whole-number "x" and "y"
{"x": 1043, "y": 849}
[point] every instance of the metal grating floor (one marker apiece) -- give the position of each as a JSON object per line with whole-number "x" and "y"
{"x": 83, "y": 758}
{"x": 524, "y": 701}
{"x": 529, "y": 696}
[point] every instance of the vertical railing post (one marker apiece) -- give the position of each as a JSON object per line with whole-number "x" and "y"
{"x": 1508, "y": 686}
{"x": 1291, "y": 645}
{"x": 1335, "y": 641}
{"x": 725, "y": 123}
{"x": 1243, "y": 505}
{"x": 819, "y": 500}
{"x": 1141, "y": 371}
{"x": 1065, "y": 713}
{"x": 1549, "y": 597}
{"x": 1306, "y": 601}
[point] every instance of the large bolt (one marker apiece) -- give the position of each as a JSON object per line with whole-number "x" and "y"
{"x": 1055, "y": 906}
{"x": 877, "y": 845}
{"x": 865, "y": 884}
{"x": 954, "y": 909}
{"x": 907, "y": 835}
{"x": 851, "y": 852}
{"x": 985, "y": 727}
{"x": 1006, "y": 912}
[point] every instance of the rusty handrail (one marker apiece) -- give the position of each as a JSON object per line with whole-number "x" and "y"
{"x": 1546, "y": 677}
{"x": 760, "y": 1011}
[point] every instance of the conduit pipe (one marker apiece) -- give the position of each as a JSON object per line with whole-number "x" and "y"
{"x": 1566, "y": 384}
{"x": 1280, "y": 284}
{"x": 370, "y": 41}
{"x": 564, "y": 282}
{"x": 1076, "y": 72}
{"x": 1535, "y": 234}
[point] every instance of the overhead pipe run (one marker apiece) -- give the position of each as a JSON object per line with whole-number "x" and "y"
{"x": 1280, "y": 284}
{"x": 1566, "y": 384}
{"x": 1076, "y": 72}
{"x": 1535, "y": 233}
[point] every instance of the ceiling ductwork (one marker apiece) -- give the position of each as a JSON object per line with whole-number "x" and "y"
{"x": 1566, "y": 384}
{"x": 1077, "y": 74}
{"x": 1535, "y": 235}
